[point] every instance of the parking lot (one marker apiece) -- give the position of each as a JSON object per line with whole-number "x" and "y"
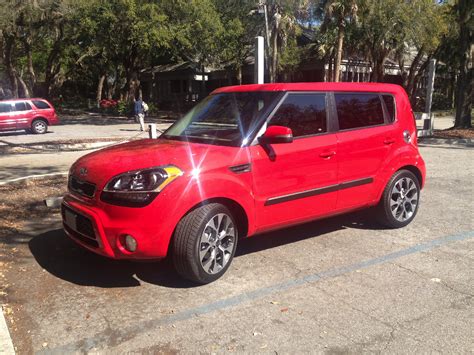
{"x": 338, "y": 285}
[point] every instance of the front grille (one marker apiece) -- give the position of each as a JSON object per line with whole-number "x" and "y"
{"x": 83, "y": 188}
{"x": 83, "y": 228}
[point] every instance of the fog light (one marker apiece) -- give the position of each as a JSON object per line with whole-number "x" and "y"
{"x": 130, "y": 243}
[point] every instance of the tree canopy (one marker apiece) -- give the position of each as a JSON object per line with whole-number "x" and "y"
{"x": 49, "y": 47}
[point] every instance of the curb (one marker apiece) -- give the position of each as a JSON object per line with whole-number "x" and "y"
{"x": 55, "y": 147}
{"x": 29, "y": 177}
{"x": 468, "y": 142}
{"x": 60, "y": 146}
{"x": 6, "y": 344}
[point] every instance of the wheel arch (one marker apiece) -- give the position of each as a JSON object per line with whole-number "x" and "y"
{"x": 238, "y": 212}
{"x": 416, "y": 171}
{"x": 40, "y": 118}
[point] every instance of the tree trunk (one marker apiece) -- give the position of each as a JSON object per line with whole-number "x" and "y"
{"x": 29, "y": 60}
{"x": 9, "y": 66}
{"x": 203, "y": 82}
{"x": 464, "y": 85}
{"x": 413, "y": 70}
{"x": 273, "y": 67}
{"x": 24, "y": 87}
{"x": 53, "y": 66}
{"x": 100, "y": 87}
{"x": 239, "y": 75}
{"x": 340, "y": 41}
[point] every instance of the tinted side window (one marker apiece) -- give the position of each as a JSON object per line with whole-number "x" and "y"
{"x": 305, "y": 114}
{"x": 40, "y": 104}
{"x": 22, "y": 106}
{"x": 5, "y": 107}
{"x": 358, "y": 110}
{"x": 390, "y": 105}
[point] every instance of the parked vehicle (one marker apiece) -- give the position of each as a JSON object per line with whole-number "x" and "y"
{"x": 246, "y": 160}
{"x": 33, "y": 115}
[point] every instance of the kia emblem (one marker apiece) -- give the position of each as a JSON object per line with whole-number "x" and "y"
{"x": 83, "y": 171}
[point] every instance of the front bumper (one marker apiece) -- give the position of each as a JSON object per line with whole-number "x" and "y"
{"x": 102, "y": 230}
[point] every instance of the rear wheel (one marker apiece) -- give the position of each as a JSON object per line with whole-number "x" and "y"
{"x": 39, "y": 126}
{"x": 400, "y": 200}
{"x": 204, "y": 243}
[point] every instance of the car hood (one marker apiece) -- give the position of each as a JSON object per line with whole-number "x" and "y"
{"x": 100, "y": 166}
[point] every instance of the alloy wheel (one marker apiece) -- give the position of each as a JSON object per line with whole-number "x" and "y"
{"x": 216, "y": 243}
{"x": 404, "y": 199}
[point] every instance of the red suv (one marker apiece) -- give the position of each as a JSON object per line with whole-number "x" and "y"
{"x": 246, "y": 160}
{"x": 33, "y": 115}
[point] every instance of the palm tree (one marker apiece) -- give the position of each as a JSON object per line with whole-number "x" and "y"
{"x": 337, "y": 13}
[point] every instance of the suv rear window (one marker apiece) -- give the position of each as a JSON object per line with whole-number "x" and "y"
{"x": 305, "y": 114}
{"x": 358, "y": 110}
{"x": 40, "y": 104}
{"x": 5, "y": 107}
{"x": 22, "y": 106}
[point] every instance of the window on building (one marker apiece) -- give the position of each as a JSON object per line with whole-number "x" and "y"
{"x": 358, "y": 110}
{"x": 305, "y": 114}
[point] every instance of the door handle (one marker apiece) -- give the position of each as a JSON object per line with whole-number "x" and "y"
{"x": 327, "y": 155}
{"x": 389, "y": 141}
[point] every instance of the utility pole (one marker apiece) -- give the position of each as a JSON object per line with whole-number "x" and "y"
{"x": 259, "y": 66}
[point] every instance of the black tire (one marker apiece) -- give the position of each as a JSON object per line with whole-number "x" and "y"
{"x": 187, "y": 244}
{"x": 403, "y": 210}
{"x": 39, "y": 126}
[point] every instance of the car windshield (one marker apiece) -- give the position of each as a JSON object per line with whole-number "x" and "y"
{"x": 223, "y": 119}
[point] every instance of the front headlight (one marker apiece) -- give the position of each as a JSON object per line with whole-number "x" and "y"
{"x": 140, "y": 187}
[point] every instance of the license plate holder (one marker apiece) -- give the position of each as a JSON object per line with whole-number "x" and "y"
{"x": 70, "y": 220}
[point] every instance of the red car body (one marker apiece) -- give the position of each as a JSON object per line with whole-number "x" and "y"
{"x": 23, "y": 113}
{"x": 312, "y": 177}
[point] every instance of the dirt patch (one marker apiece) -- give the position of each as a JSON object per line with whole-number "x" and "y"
{"x": 459, "y": 133}
{"x": 24, "y": 201}
{"x": 21, "y": 203}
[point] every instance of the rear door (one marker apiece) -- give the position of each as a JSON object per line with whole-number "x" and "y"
{"x": 7, "y": 120}
{"x": 298, "y": 184}
{"x": 22, "y": 114}
{"x": 365, "y": 139}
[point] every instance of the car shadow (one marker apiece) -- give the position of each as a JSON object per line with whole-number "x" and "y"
{"x": 63, "y": 258}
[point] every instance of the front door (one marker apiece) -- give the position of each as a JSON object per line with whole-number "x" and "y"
{"x": 298, "y": 184}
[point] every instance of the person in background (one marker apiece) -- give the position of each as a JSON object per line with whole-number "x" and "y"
{"x": 139, "y": 112}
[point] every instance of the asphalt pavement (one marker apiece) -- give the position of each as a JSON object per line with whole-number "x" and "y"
{"x": 55, "y": 151}
{"x": 340, "y": 285}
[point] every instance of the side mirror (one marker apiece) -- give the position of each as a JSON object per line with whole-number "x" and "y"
{"x": 276, "y": 134}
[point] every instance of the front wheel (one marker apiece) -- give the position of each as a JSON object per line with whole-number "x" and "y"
{"x": 400, "y": 200}
{"x": 204, "y": 243}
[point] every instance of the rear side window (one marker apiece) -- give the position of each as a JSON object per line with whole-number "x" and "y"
{"x": 22, "y": 106}
{"x": 4, "y": 107}
{"x": 305, "y": 114}
{"x": 40, "y": 104}
{"x": 390, "y": 105}
{"x": 358, "y": 110}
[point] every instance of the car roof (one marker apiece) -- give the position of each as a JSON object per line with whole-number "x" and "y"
{"x": 317, "y": 86}
{"x": 24, "y": 99}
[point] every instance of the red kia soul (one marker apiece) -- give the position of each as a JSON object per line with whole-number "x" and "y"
{"x": 246, "y": 160}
